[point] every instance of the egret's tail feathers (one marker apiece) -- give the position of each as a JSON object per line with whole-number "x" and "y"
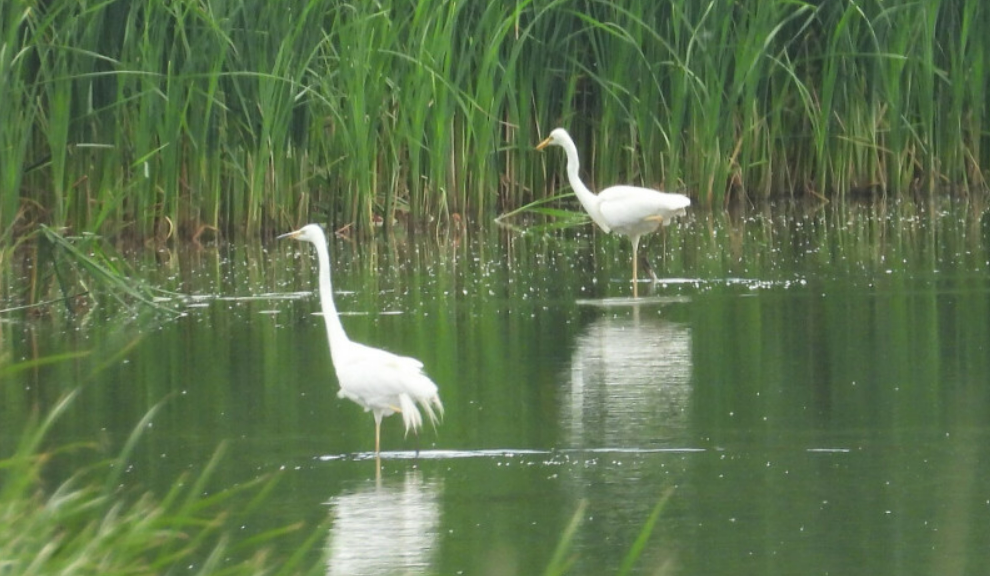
{"x": 437, "y": 404}
{"x": 410, "y": 414}
{"x": 433, "y": 408}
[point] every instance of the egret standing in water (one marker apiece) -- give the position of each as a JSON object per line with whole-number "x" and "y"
{"x": 379, "y": 381}
{"x": 629, "y": 210}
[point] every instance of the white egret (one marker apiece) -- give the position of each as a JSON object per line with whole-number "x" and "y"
{"x": 378, "y": 381}
{"x": 629, "y": 210}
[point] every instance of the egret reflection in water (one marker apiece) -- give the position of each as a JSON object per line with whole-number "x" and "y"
{"x": 624, "y": 410}
{"x": 629, "y": 381}
{"x": 386, "y": 526}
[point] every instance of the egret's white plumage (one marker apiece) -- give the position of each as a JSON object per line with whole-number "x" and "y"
{"x": 379, "y": 381}
{"x": 628, "y": 210}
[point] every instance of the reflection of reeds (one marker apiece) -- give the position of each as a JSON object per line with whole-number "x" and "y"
{"x": 88, "y": 525}
{"x": 252, "y": 116}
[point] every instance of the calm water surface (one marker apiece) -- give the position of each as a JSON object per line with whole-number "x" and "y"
{"x": 812, "y": 387}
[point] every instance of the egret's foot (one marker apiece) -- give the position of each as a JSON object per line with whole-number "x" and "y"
{"x": 648, "y": 268}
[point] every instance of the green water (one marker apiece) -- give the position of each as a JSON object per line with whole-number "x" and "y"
{"x": 812, "y": 385}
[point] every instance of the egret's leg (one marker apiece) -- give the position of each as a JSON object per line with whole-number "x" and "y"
{"x": 378, "y": 431}
{"x": 635, "y": 258}
{"x": 648, "y": 268}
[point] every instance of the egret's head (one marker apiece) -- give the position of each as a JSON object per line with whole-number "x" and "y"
{"x": 556, "y": 138}
{"x": 309, "y": 233}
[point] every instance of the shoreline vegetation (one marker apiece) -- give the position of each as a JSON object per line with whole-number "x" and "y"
{"x": 178, "y": 119}
{"x": 92, "y": 523}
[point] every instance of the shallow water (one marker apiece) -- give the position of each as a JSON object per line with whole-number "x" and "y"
{"x": 810, "y": 387}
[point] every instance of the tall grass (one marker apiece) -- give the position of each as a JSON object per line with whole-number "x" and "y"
{"x": 88, "y": 524}
{"x": 142, "y": 118}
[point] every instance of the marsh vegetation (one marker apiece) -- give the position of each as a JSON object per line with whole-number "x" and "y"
{"x": 150, "y": 118}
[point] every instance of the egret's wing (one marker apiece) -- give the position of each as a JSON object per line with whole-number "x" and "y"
{"x": 625, "y": 206}
{"x": 377, "y": 379}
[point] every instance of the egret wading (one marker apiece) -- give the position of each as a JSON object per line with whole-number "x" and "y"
{"x": 628, "y": 210}
{"x": 378, "y": 381}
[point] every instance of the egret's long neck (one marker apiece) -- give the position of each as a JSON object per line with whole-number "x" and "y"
{"x": 335, "y": 330}
{"x": 588, "y": 198}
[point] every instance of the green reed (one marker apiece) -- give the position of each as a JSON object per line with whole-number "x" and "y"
{"x": 152, "y": 118}
{"x": 90, "y": 524}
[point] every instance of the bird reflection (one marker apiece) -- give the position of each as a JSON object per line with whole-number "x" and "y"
{"x": 385, "y": 527}
{"x": 629, "y": 380}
